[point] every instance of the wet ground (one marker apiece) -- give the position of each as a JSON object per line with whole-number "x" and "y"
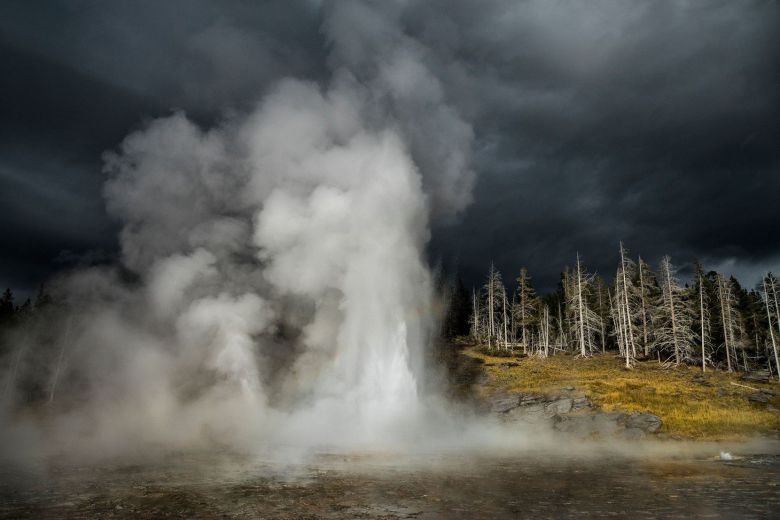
{"x": 538, "y": 485}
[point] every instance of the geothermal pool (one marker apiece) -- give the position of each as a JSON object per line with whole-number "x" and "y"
{"x": 664, "y": 482}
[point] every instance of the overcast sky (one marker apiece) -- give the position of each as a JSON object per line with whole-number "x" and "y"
{"x": 656, "y": 123}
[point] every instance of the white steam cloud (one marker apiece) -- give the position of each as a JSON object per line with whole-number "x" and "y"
{"x": 274, "y": 285}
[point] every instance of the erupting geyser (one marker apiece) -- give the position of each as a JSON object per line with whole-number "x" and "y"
{"x": 278, "y": 288}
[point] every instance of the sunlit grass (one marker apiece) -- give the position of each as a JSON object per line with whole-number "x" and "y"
{"x": 688, "y": 409}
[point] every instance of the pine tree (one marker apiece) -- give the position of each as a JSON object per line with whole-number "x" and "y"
{"x": 7, "y": 307}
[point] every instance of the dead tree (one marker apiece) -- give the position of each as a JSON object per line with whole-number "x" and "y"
{"x": 603, "y": 309}
{"x": 769, "y": 281}
{"x": 704, "y": 323}
{"x": 495, "y": 303}
{"x": 544, "y": 331}
{"x": 673, "y": 331}
{"x": 645, "y": 283}
{"x": 624, "y": 296}
{"x": 585, "y": 320}
{"x": 525, "y": 308}
{"x": 729, "y": 318}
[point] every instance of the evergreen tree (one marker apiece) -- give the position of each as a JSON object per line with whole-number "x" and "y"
{"x": 7, "y": 309}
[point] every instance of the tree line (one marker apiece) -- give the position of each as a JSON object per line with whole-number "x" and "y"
{"x": 644, "y": 313}
{"x": 20, "y": 326}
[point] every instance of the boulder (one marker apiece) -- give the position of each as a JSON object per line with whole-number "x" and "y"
{"x": 534, "y": 405}
{"x": 535, "y": 413}
{"x": 579, "y": 402}
{"x": 757, "y": 376}
{"x": 758, "y": 397}
{"x": 646, "y": 422}
{"x": 612, "y": 424}
{"x": 531, "y": 399}
{"x": 559, "y": 406}
{"x": 502, "y": 403}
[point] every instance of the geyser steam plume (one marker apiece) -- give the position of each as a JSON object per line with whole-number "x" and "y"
{"x": 278, "y": 283}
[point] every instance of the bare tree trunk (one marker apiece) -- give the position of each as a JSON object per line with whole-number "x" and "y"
{"x": 771, "y": 330}
{"x": 777, "y": 307}
{"x": 490, "y": 308}
{"x": 561, "y": 334}
{"x": 579, "y": 298}
{"x": 475, "y": 317}
{"x": 546, "y": 318}
{"x": 603, "y": 321}
{"x": 644, "y": 307}
{"x": 506, "y": 341}
{"x": 726, "y": 325}
{"x": 671, "y": 313}
{"x": 701, "y": 314}
{"x": 627, "y": 311}
{"x": 619, "y": 329}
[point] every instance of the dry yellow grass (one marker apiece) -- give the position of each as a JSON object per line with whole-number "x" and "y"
{"x": 688, "y": 409}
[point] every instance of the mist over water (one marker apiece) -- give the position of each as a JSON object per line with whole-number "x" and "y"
{"x": 273, "y": 287}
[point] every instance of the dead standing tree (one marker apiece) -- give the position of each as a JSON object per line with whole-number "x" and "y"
{"x": 524, "y": 309}
{"x": 495, "y": 308}
{"x": 704, "y": 323}
{"x": 673, "y": 330}
{"x": 586, "y": 323}
{"x": 625, "y": 303}
{"x": 729, "y": 318}
{"x": 770, "y": 295}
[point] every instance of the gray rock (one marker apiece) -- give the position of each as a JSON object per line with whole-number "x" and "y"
{"x": 579, "y": 402}
{"x": 612, "y": 424}
{"x": 530, "y": 399}
{"x": 757, "y": 376}
{"x": 646, "y": 422}
{"x": 580, "y": 425}
{"x": 535, "y": 413}
{"x": 561, "y": 405}
{"x": 758, "y": 397}
{"x": 607, "y": 424}
{"x": 633, "y": 434}
{"x": 502, "y": 403}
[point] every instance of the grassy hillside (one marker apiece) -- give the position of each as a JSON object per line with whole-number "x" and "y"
{"x": 691, "y": 404}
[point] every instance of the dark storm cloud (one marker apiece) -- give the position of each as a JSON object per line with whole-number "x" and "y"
{"x": 79, "y": 76}
{"x": 655, "y": 123}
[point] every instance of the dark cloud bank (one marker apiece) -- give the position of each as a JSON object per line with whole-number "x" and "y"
{"x": 656, "y": 123}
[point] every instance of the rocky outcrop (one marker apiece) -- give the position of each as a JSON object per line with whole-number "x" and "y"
{"x": 535, "y": 407}
{"x": 612, "y": 424}
{"x": 571, "y": 414}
